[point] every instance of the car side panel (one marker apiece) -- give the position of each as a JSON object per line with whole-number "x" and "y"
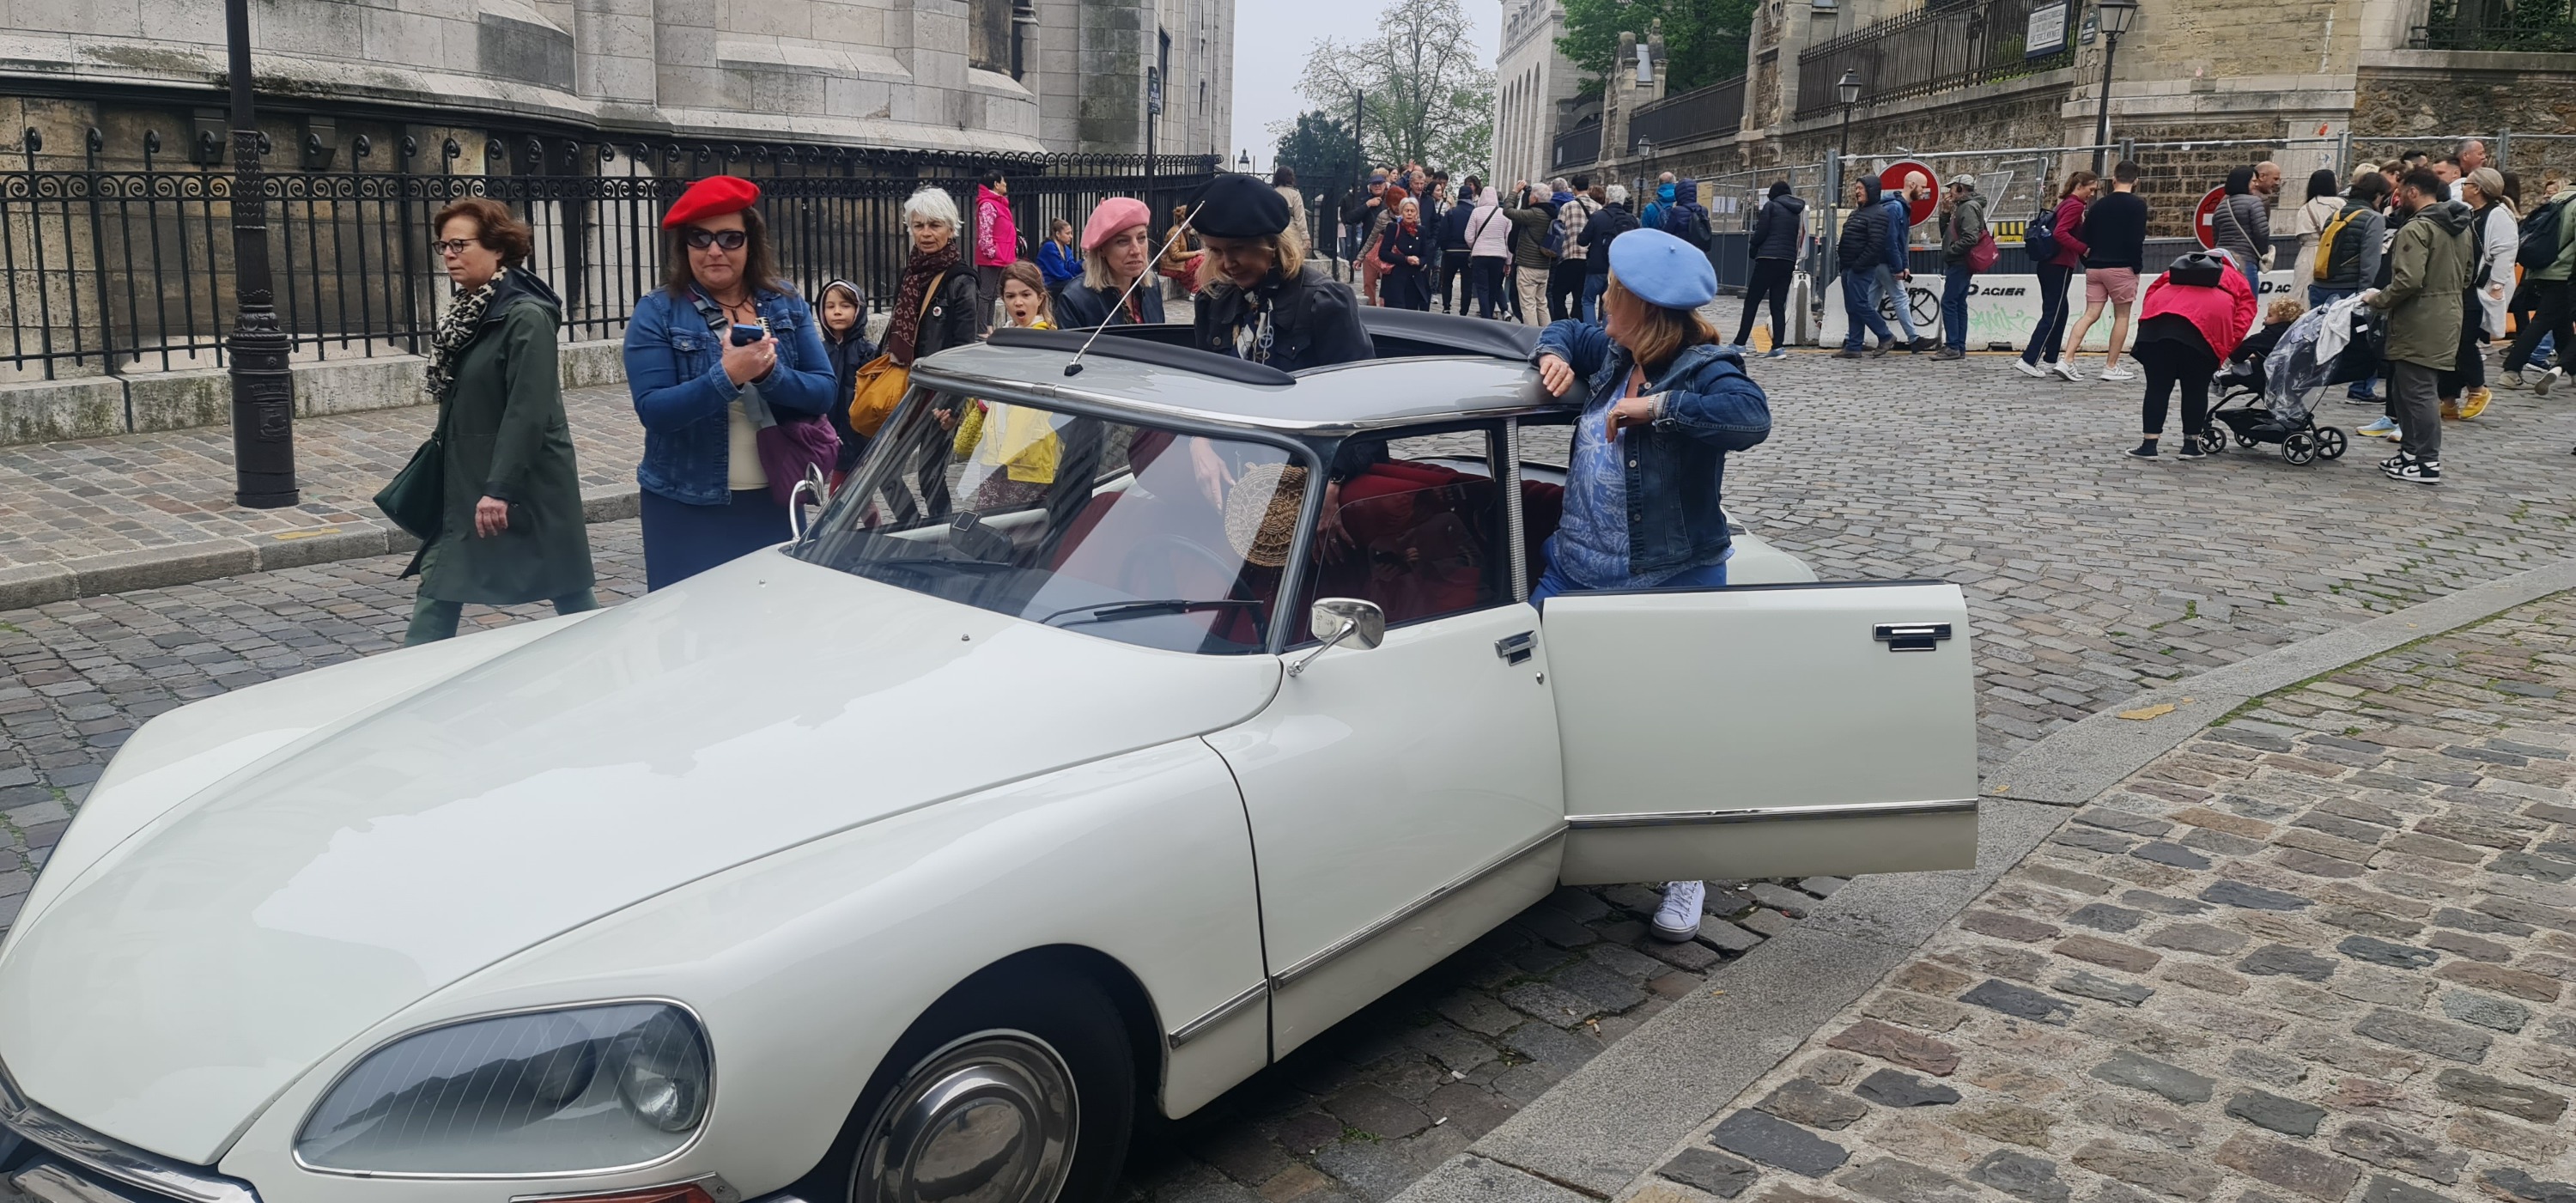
{"x": 806, "y": 966}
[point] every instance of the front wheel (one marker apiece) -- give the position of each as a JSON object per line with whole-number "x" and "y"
{"x": 999, "y": 1099}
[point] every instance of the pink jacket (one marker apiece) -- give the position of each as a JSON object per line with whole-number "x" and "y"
{"x": 2222, "y": 314}
{"x": 997, "y": 236}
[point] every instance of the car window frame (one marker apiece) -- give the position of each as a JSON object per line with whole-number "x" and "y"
{"x": 1284, "y": 626}
{"x": 1502, "y": 465}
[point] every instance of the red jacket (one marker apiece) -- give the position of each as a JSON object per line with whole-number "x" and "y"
{"x": 997, "y": 237}
{"x": 2071, "y": 247}
{"x": 2222, "y": 314}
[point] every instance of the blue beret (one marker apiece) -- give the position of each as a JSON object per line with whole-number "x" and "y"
{"x": 1663, "y": 270}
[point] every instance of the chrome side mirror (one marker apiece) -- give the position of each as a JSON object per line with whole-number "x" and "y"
{"x": 1340, "y": 620}
{"x": 813, "y": 483}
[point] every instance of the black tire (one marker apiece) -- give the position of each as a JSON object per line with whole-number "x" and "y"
{"x": 2213, "y": 439}
{"x": 984, "y": 1028}
{"x": 2299, "y": 448}
{"x": 2330, "y": 442}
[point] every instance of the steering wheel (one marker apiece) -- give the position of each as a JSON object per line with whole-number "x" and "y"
{"x": 1133, "y": 568}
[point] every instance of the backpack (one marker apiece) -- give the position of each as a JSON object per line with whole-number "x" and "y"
{"x": 2040, "y": 236}
{"x": 1688, "y": 223}
{"x": 2330, "y": 242}
{"x": 2542, "y": 236}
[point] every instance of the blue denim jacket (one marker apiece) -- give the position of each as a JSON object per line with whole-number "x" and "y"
{"x": 675, "y": 369}
{"x": 1677, "y": 462}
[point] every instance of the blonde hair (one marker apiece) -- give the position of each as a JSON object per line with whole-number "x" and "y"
{"x": 1095, "y": 265}
{"x": 1287, "y": 250}
{"x": 2283, "y": 309}
{"x": 1661, "y": 333}
{"x": 935, "y": 204}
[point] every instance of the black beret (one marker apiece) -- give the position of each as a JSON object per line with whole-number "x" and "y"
{"x": 1240, "y": 206}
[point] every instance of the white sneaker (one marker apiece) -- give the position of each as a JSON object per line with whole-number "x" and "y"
{"x": 2032, "y": 370}
{"x": 2066, "y": 371}
{"x": 1678, "y": 919}
{"x": 2540, "y": 385}
{"x": 2118, "y": 374}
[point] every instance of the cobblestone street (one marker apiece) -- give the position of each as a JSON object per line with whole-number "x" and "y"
{"x": 2314, "y": 954}
{"x": 2089, "y": 577}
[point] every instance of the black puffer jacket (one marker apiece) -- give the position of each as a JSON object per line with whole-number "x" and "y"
{"x": 1777, "y": 227}
{"x": 1864, "y": 240}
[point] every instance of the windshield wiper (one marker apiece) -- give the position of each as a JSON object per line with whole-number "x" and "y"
{"x": 1114, "y": 611}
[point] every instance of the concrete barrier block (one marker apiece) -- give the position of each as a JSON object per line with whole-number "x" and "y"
{"x": 317, "y": 545}
{"x": 160, "y": 567}
{"x": 348, "y": 386}
{"x": 586, "y": 364}
{"x": 36, "y": 585}
{"x": 44, "y": 410}
{"x": 612, "y": 503}
{"x": 181, "y": 400}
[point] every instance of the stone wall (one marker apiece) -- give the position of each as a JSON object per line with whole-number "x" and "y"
{"x": 2423, "y": 99}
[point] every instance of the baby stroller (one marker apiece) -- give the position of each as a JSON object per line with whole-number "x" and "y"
{"x": 2335, "y": 344}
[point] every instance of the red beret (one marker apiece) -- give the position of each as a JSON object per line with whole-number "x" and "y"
{"x": 710, "y": 197}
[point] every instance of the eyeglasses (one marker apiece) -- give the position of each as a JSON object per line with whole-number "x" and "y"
{"x": 450, "y": 246}
{"x": 730, "y": 240}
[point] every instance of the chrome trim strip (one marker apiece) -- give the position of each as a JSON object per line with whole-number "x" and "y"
{"x": 958, "y": 378}
{"x": 114, "y": 1159}
{"x": 1756, "y": 814}
{"x": 1288, "y": 977}
{"x": 1218, "y": 1014}
{"x": 1512, "y": 519}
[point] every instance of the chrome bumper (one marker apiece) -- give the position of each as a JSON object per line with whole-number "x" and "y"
{"x": 82, "y": 1154}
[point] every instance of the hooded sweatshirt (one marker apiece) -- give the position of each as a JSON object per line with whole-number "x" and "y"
{"x": 997, "y": 235}
{"x": 1777, "y": 227}
{"x": 847, "y": 354}
{"x": 2428, "y": 272}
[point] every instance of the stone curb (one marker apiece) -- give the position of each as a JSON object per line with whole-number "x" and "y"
{"x": 33, "y": 585}
{"x": 1593, "y": 1135}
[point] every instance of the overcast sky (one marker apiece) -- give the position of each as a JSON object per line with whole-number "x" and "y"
{"x": 1272, "y": 38}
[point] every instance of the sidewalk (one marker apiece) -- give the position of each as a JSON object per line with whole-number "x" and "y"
{"x": 139, "y": 511}
{"x": 2319, "y": 952}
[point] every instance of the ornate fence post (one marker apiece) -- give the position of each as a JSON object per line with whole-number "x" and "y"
{"x": 263, "y": 386}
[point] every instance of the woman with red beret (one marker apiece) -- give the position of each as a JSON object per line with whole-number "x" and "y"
{"x": 703, "y": 396}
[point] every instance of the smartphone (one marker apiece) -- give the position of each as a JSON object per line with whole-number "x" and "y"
{"x": 744, "y": 334}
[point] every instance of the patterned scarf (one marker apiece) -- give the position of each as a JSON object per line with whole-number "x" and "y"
{"x": 905, "y": 324}
{"x": 464, "y": 317}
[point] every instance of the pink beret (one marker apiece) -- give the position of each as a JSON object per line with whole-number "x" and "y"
{"x": 1115, "y": 214}
{"x": 711, "y": 197}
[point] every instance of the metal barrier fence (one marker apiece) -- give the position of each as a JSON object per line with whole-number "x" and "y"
{"x": 1930, "y": 50}
{"x": 109, "y": 269}
{"x": 1717, "y": 108}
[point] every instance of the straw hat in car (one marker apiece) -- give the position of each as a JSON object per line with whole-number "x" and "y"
{"x": 1261, "y": 513}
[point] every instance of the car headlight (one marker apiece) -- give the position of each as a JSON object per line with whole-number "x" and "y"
{"x": 588, "y": 1088}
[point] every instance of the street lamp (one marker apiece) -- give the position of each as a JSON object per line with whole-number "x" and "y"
{"x": 1847, "y": 90}
{"x": 1646, "y": 152}
{"x": 1243, "y": 161}
{"x": 2114, "y": 17}
{"x": 263, "y": 386}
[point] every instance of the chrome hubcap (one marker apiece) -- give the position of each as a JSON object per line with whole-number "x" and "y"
{"x": 988, "y": 1119}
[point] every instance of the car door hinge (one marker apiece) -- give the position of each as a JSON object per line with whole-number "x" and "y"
{"x": 1911, "y": 636}
{"x": 1515, "y": 649}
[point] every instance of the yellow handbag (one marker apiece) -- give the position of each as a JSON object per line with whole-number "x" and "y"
{"x": 882, "y": 382}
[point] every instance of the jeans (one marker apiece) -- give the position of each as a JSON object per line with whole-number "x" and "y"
{"x": 1955, "y": 283}
{"x": 1706, "y": 576}
{"x": 2556, "y": 303}
{"x": 1894, "y": 290}
{"x": 1860, "y": 309}
{"x": 1593, "y": 286}
{"x": 1485, "y": 280}
{"x": 2052, "y": 315}
{"x": 1770, "y": 283}
{"x": 2169, "y": 363}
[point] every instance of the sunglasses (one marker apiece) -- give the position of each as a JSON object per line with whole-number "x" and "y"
{"x": 731, "y": 240}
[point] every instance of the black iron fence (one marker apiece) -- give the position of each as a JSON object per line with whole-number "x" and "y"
{"x": 1933, "y": 50}
{"x": 1716, "y": 110}
{"x": 131, "y": 268}
{"x": 1576, "y": 148}
{"x": 2544, "y": 26}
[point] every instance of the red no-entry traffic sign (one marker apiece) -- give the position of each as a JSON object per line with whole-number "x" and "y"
{"x": 2204, "y": 215}
{"x": 1893, "y": 180}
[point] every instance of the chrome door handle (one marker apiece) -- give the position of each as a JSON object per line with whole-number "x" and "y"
{"x": 1911, "y": 636}
{"x": 1515, "y": 649}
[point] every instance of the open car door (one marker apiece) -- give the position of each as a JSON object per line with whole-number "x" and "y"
{"x": 1764, "y": 730}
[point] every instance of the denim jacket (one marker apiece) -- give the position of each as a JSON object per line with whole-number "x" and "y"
{"x": 675, "y": 370}
{"x": 1676, "y": 463}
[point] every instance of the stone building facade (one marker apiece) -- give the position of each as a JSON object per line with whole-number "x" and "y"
{"x": 965, "y": 75}
{"x": 1535, "y": 85}
{"x": 2306, "y": 83}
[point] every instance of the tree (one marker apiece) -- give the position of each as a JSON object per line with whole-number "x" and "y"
{"x": 1430, "y": 95}
{"x": 1317, "y": 146}
{"x": 1704, "y": 40}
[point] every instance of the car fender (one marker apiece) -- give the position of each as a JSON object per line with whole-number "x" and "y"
{"x": 807, "y": 965}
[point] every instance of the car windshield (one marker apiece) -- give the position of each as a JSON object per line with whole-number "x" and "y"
{"x": 1131, "y": 532}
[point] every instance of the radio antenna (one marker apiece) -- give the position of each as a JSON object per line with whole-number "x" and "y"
{"x": 1073, "y": 367}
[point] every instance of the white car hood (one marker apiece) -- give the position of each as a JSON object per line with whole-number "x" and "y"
{"x": 185, "y": 977}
